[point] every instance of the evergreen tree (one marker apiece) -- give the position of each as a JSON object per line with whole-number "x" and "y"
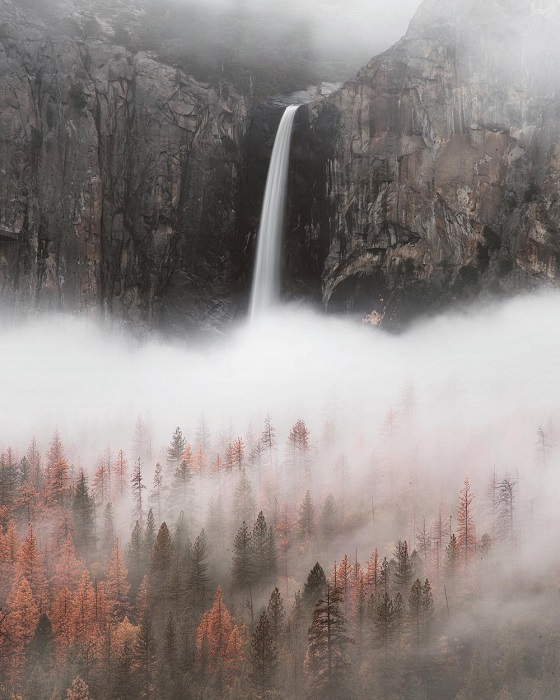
{"x": 176, "y": 449}
{"x": 108, "y": 531}
{"x": 243, "y": 501}
{"x": 326, "y": 663}
{"x": 57, "y": 474}
{"x": 181, "y": 491}
{"x": 145, "y": 656}
{"x": 384, "y": 621}
{"x": 161, "y": 562}
{"x": 276, "y": 615}
{"x": 264, "y": 658}
{"x": 120, "y": 470}
{"x": 466, "y": 534}
{"x": 451, "y": 562}
{"x": 83, "y": 511}
{"x": 137, "y": 486}
{"x": 8, "y": 480}
{"x": 158, "y": 490}
{"x": 117, "y": 586}
{"x": 306, "y": 519}
{"x": 243, "y": 571}
{"x": 404, "y": 570}
{"x": 329, "y": 519}
{"x": 415, "y": 610}
{"x": 260, "y": 551}
{"x": 135, "y": 555}
{"x": 149, "y": 535}
{"x": 30, "y": 566}
{"x": 268, "y": 439}
{"x": 427, "y": 607}
{"x": 197, "y": 573}
{"x": 315, "y": 586}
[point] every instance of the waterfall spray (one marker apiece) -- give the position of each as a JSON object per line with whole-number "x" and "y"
{"x": 266, "y": 280}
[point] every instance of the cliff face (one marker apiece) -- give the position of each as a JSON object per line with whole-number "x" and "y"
{"x": 444, "y": 178}
{"x": 118, "y": 175}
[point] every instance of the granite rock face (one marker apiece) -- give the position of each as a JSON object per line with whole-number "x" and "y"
{"x": 443, "y": 179}
{"x": 119, "y": 176}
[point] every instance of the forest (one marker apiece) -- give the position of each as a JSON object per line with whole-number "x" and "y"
{"x": 222, "y": 568}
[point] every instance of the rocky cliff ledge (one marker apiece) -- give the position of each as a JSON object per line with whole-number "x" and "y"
{"x": 444, "y": 176}
{"x": 118, "y": 174}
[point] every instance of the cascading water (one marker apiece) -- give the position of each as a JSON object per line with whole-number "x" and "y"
{"x": 266, "y": 280}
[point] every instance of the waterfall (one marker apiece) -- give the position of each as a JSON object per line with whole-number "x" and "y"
{"x": 266, "y": 280}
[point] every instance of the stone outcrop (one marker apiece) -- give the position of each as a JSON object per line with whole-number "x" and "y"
{"x": 118, "y": 175}
{"x": 443, "y": 172}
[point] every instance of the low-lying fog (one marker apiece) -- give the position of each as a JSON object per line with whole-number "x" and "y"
{"x": 489, "y": 372}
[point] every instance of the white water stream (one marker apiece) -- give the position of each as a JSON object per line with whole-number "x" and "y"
{"x": 266, "y": 280}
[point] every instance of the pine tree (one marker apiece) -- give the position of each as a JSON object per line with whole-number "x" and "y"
{"x": 20, "y": 624}
{"x": 197, "y": 573}
{"x": 276, "y": 615}
{"x": 384, "y": 621}
{"x": 203, "y": 435}
{"x": 315, "y": 586}
{"x": 214, "y": 631}
{"x": 83, "y": 613}
{"x": 149, "y": 538}
{"x": 264, "y": 658}
{"x": 30, "y": 566}
{"x": 181, "y": 492}
{"x": 8, "y": 480}
{"x": 306, "y": 519}
{"x": 415, "y": 610}
{"x": 158, "y": 489}
{"x": 427, "y": 607}
{"x": 83, "y": 511}
{"x": 137, "y": 486}
{"x": 242, "y": 572}
{"x": 57, "y": 474}
{"x": 326, "y": 663}
{"x": 404, "y": 570}
{"x": 108, "y": 531}
{"x": 117, "y": 586}
{"x": 505, "y": 504}
{"x": 141, "y": 441}
{"x": 298, "y": 445}
{"x": 452, "y": 555}
{"x": 373, "y": 576}
{"x": 243, "y": 501}
{"x": 120, "y": 470}
{"x": 135, "y": 555}
{"x": 161, "y": 563}
{"x": 237, "y": 454}
{"x": 176, "y": 449}
{"x": 466, "y": 535}
{"x": 260, "y": 554}
{"x": 102, "y": 482}
{"x": 329, "y": 519}
{"x": 268, "y": 439}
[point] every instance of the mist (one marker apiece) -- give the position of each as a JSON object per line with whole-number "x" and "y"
{"x": 396, "y": 424}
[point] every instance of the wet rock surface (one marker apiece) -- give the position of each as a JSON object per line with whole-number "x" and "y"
{"x": 119, "y": 177}
{"x": 443, "y": 178}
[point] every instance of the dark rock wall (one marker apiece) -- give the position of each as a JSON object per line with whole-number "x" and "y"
{"x": 119, "y": 180}
{"x": 444, "y": 180}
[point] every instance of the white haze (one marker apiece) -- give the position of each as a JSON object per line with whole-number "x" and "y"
{"x": 491, "y": 372}
{"x": 357, "y": 28}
